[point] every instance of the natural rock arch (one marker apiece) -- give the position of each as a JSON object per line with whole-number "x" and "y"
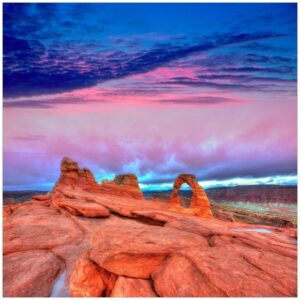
{"x": 199, "y": 200}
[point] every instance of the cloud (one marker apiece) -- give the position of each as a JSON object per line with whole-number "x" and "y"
{"x": 264, "y": 47}
{"x": 30, "y": 68}
{"x": 245, "y": 78}
{"x": 29, "y": 137}
{"x": 48, "y": 103}
{"x": 208, "y": 100}
{"x": 257, "y": 58}
{"x": 280, "y": 70}
{"x": 218, "y": 85}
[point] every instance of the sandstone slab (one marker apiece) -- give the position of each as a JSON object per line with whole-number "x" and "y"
{"x": 89, "y": 280}
{"x": 38, "y": 227}
{"x": 133, "y": 249}
{"x": 132, "y": 287}
{"x": 30, "y": 273}
{"x": 81, "y": 208}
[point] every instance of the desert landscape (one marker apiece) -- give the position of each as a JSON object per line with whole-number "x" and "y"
{"x": 85, "y": 239}
{"x": 149, "y": 149}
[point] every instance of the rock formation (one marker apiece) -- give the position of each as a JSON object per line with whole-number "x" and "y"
{"x": 123, "y": 185}
{"x": 110, "y": 244}
{"x": 75, "y": 177}
{"x": 199, "y": 201}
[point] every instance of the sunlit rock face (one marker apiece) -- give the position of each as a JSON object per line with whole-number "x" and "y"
{"x": 119, "y": 245}
{"x": 75, "y": 177}
{"x": 199, "y": 202}
{"x": 123, "y": 185}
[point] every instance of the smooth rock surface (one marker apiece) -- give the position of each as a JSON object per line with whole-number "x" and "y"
{"x": 135, "y": 250}
{"x": 88, "y": 279}
{"x": 30, "y": 273}
{"x": 81, "y": 208}
{"x": 32, "y": 227}
{"x": 132, "y": 287}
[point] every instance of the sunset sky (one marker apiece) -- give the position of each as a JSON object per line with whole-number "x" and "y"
{"x": 150, "y": 89}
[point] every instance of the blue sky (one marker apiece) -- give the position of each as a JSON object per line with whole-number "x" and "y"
{"x": 152, "y": 89}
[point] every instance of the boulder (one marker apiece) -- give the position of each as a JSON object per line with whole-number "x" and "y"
{"x": 132, "y": 249}
{"x": 30, "y": 273}
{"x": 178, "y": 276}
{"x": 32, "y": 227}
{"x": 89, "y": 280}
{"x": 132, "y": 287}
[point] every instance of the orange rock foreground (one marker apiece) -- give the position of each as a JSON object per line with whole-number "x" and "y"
{"x": 113, "y": 242}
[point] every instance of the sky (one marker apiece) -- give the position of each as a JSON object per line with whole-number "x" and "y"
{"x": 150, "y": 89}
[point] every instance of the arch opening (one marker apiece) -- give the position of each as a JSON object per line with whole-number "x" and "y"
{"x": 185, "y": 194}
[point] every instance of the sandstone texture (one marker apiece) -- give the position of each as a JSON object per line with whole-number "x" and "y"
{"x": 30, "y": 273}
{"x": 199, "y": 202}
{"x": 114, "y": 243}
{"x": 132, "y": 287}
{"x": 72, "y": 175}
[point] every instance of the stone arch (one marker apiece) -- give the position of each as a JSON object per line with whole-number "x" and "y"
{"x": 199, "y": 200}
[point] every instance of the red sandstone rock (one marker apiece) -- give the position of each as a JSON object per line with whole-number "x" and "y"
{"x": 199, "y": 203}
{"x": 38, "y": 227}
{"x": 225, "y": 271}
{"x": 129, "y": 182}
{"x": 89, "y": 280}
{"x": 42, "y": 197}
{"x": 114, "y": 203}
{"x": 30, "y": 273}
{"x": 178, "y": 276}
{"x": 71, "y": 175}
{"x": 184, "y": 254}
{"x": 6, "y": 212}
{"x": 250, "y": 272}
{"x": 135, "y": 250}
{"x": 81, "y": 208}
{"x": 132, "y": 287}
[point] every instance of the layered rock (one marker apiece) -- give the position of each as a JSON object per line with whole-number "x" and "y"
{"x": 127, "y": 255}
{"x": 72, "y": 175}
{"x": 132, "y": 287}
{"x": 75, "y": 177}
{"x": 199, "y": 202}
{"x": 81, "y": 208}
{"x": 32, "y": 227}
{"x": 110, "y": 244}
{"x": 89, "y": 280}
{"x": 30, "y": 273}
{"x": 41, "y": 197}
{"x": 123, "y": 185}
